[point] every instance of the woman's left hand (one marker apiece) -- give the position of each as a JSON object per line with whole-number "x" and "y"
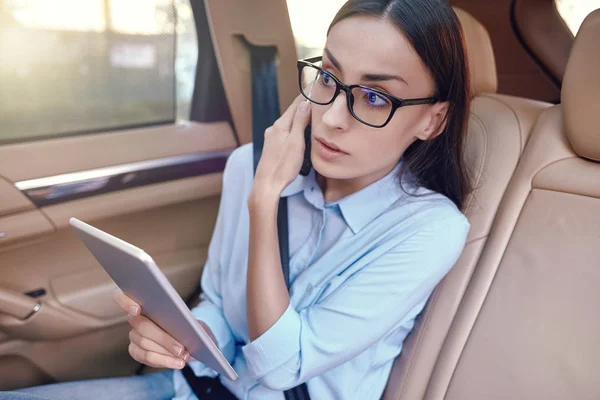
{"x": 283, "y": 150}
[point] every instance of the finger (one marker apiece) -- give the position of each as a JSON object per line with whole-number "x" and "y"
{"x": 150, "y": 330}
{"x": 284, "y": 122}
{"x": 138, "y": 354}
{"x": 126, "y": 303}
{"x": 153, "y": 359}
{"x": 301, "y": 119}
{"x": 150, "y": 345}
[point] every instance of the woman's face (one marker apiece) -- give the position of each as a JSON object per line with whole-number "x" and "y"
{"x": 371, "y": 52}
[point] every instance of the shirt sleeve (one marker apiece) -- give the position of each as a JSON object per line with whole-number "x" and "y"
{"x": 210, "y": 309}
{"x": 305, "y": 344}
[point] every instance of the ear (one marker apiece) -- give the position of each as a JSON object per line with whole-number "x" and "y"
{"x": 435, "y": 121}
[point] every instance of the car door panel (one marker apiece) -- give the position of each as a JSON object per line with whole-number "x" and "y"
{"x": 157, "y": 187}
{"x": 46, "y": 158}
{"x": 167, "y": 205}
{"x": 12, "y": 200}
{"x": 17, "y": 228}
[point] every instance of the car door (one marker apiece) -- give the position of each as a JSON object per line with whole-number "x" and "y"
{"x": 101, "y": 118}
{"x": 121, "y": 114}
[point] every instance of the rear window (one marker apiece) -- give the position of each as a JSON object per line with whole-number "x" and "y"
{"x": 310, "y": 20}
{"x": 573, "y": 12}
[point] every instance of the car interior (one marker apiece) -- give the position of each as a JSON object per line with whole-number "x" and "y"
{"x": 126, "y": 123}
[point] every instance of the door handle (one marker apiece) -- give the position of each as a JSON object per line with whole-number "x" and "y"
{"x": 17, "y": 304}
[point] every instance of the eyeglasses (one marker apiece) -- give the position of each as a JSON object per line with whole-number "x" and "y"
{"x": 370, "y": 106}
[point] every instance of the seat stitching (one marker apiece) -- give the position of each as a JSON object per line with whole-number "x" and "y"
{"x": 471, "y": 199}
{"x": 479, "y": 173}
{"x": 549, "y": 165}
{"x": 521, "y": 144}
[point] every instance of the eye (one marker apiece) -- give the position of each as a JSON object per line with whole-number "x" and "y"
{"x": 326, "y": 79}
{"x": 374, "y": 99}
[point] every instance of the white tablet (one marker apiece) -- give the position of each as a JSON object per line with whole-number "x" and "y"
{"x": 137, "y": 275}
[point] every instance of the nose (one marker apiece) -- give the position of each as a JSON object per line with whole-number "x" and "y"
{"x": 338, "y": 116}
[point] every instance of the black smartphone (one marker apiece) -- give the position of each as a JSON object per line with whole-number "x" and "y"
{"x": 306, "y": 163}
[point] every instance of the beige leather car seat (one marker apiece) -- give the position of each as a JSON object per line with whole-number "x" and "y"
{"x": 236, "y": 25}
{"x": 528, "y": 326}
{"x": 499, "y": 127}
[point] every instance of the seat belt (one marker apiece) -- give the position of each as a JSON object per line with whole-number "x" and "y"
{"x": 265, "y": 111}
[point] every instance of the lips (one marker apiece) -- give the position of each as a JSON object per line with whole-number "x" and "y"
{"x": 328, "y": 151}
{"x": 330, "y": 145}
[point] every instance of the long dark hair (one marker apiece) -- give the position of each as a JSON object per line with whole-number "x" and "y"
{"x": 433, "y": 29}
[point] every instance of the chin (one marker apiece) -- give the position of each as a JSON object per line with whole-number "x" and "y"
{"x": 331, "y": 170}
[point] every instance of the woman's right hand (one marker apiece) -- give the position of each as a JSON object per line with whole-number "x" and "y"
{"x": 149, "y": 344}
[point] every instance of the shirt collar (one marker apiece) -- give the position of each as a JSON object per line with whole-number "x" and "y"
{"x": 364, "y": 206}
{"x": 299, "y": 184}
{"x": 359, "y": 208}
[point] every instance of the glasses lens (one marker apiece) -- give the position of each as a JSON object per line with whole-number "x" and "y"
{"x": 370, "y": 106}
{"x": 317, "y": 85}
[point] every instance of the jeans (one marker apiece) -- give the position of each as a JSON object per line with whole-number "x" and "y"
{"x": 156, "y": 386}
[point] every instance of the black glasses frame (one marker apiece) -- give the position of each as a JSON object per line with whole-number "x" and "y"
{"x": 396, "y": 102}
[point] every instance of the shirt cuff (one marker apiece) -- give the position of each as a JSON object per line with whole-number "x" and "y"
{"x": 212, "y": 316}
{"x": 276, "y": 346}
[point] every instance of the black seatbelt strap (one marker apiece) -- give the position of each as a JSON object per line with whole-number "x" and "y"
{"x": 265, "y": 111}
{"x": 206, "y": 388}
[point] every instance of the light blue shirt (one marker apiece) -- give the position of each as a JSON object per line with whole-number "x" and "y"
{"x": 361, "y": 270}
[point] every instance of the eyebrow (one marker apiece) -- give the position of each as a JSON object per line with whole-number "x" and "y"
{"x": 381, "y": 78}
{"x": 334, "y": 61}
{"x": 366, "y": 77}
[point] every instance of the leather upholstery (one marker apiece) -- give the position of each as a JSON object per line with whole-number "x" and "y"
{"x": 581, "y": 86}
{"x": 527, "y": 327}
{"x": 484, "y": 78}
{"x": 545, "y": 34}
{"x": 499, "y": 127}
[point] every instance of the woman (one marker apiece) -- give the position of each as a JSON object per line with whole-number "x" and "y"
{"x": 373, "y": 228}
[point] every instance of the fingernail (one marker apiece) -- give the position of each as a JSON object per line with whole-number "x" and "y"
{"x": 133, "y": 310}
{"x": 177, "y": 349}
{"x": 304, "y": 106}
{"x": 186, "y": 358}
{"x": 180, "y": 364}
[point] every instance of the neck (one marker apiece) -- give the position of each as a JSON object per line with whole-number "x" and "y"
{"x": 335, "y": 189}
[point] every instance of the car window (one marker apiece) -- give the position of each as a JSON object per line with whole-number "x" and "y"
{"x": 310, "y": 20}
{"x": 76, "y": 66}
{"x": 573, "y": 12}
